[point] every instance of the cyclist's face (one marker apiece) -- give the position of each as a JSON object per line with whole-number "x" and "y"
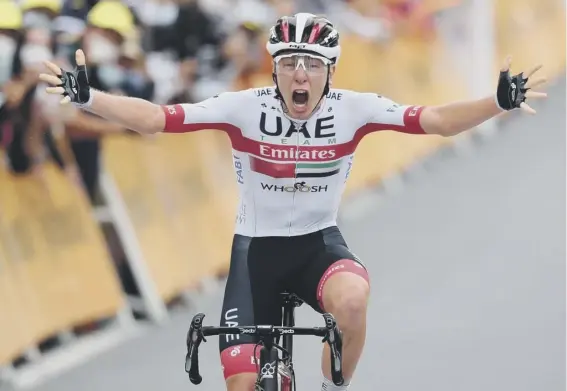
{"x": 301, "y": 80}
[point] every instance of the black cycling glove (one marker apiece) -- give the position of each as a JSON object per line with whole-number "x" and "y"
{"x": 511, "y": 91}
{"x": 76, "y": 85}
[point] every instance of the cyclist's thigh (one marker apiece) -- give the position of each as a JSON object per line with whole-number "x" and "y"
{"x": 332, "y": 256}
{"x": 251, "y": 297}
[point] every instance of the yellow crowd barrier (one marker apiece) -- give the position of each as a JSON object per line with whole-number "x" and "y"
{"x": 533, "y": 32}
{"x": 55, "y": 271}
{"x": 15, "y": 336}
{"x": 172, "y": 190}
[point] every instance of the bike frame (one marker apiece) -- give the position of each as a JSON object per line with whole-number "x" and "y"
{"x": 269, "y": 357}
{"x": 267, "y": 379}
{"x": 290, "y": 302}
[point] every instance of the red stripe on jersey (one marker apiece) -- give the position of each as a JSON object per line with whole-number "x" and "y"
{"x": 411, "y": 120}
{"x": 275, "y": 170}
{"x": 411, "y": 125}
{"x": 175, "y": 118}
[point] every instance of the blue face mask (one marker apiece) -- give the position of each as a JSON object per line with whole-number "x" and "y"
{"x": 32, "y": 55}
{"x": 136, "y": 80}
{"x": 111, "y": 75}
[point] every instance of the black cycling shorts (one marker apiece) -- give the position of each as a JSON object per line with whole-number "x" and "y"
{"x": 261, "y": 268}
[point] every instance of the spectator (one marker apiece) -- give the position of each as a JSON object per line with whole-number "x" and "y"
{"x": 135, "y": 78}
{"x": 246, "y": 50}
{"x": 365, "y": 18}
{"x": 40, "y": 13}
{"x": 71, "y": 22}
{"x": 10, "y": 25}
{"x": 32, "y": 137}
{"x": 245, "y": 46}
{"x": 24, "y": 43}
{"x": 107, "y": 26}
{"x": 183, "y": 45}
{"x": 198, "y": 44}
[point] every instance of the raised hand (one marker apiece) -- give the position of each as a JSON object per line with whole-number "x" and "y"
{"x": 512, "y": 91}
{"x": 73, "y": 86}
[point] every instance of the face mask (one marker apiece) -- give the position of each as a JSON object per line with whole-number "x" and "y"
{"x": 7, "y": 50}
{"x": 33, "y": 55}
{"x": 135, "y": 79}
{"x": 111, "y": 75}
{"x": 102, "y": 50}
{"x": 155, "y": 14}
{"x": 35, "y": 19}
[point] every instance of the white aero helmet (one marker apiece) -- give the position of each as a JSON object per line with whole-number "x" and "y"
{"x": 307, "y": 33}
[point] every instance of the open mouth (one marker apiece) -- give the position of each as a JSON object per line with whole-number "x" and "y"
{"x": 300, "y": 98}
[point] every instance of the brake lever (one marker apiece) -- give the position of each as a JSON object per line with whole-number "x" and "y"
{"x": 334, "y": 339}
{"x": 195, "y": 333}
{"x": 194, "y": 338}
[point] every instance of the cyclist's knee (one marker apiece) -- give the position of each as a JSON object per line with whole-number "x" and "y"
{"x": 239, "y": 366}
{"x": 241, "y": 382}
{"x": 345, "y": 295}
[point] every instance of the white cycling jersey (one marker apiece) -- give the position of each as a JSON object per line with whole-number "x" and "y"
{"x": 291, "y": 174}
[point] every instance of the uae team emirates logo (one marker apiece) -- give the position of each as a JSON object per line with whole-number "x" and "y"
{"x": 296, "y": 162}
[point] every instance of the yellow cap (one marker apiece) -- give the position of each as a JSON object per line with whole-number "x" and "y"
{"x": 112, "y": 15}
{"x": 252, "y": 26}
{"x": 52, "y": 5}
{"x": 10, "y": 15}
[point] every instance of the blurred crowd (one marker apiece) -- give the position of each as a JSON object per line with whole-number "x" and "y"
{"x": 167, "y": 51}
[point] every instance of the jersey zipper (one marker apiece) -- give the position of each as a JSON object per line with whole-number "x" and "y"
{"x": 296, "y": 125}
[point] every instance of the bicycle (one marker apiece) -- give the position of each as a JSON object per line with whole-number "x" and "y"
{"x": 270, "y": 360}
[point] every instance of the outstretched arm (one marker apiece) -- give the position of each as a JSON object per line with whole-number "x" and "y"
{"x": 136, "y": 114}
{"x": 132, "y": 113}
{"x": 454, "y": 118}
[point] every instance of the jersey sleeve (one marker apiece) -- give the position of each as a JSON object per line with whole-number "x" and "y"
{"x": 381, "y": 113}
{"x": 217, "y": 112}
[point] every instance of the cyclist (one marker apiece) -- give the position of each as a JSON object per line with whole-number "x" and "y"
{"x": 293, "y": 145}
